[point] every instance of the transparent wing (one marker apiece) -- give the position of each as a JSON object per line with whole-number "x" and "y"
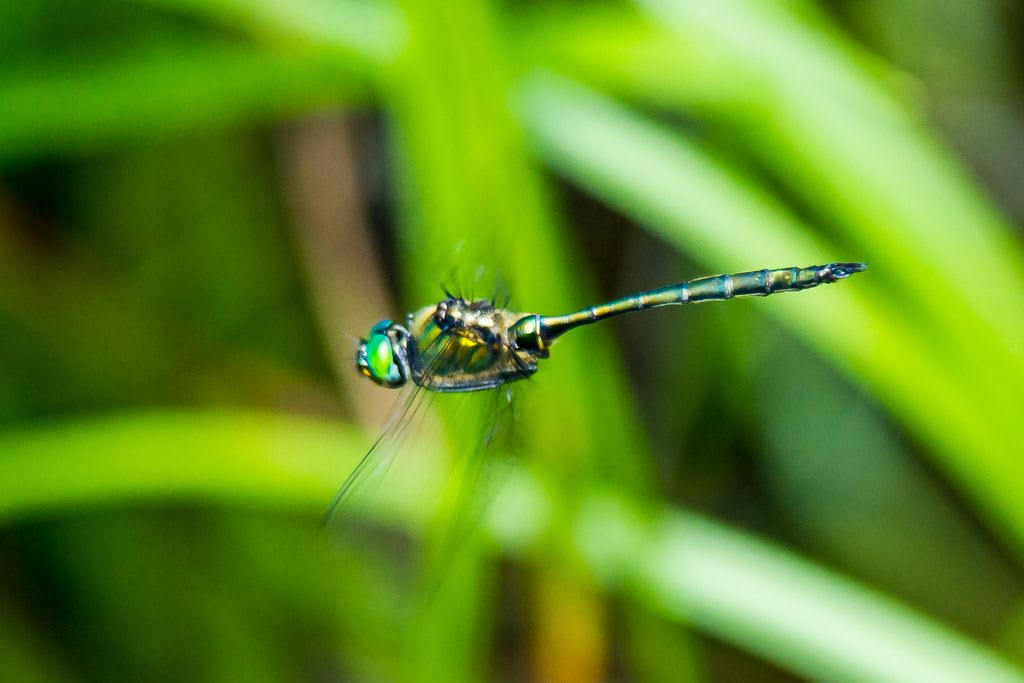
{"x": 376, "y": 462}
{"x": 482, "y": 423}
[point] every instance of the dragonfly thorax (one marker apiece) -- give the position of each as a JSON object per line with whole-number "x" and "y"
{"x": 462, "y": 345}
{"x": 481, "y": 317}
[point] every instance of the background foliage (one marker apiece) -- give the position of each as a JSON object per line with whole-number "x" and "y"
{"x": 198, "y": 199}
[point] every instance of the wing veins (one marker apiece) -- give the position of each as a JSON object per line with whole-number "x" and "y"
{"x": 395, "y": 431}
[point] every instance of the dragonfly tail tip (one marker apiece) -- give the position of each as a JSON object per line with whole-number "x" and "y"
{"x": 841, "y": 271}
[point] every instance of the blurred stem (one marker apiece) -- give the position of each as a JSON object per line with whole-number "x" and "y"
{"x": 569, "y": 643}
{"x": 471, "y": 200}
{"x": 447, "y": 125}
{"x": 660, "y": 649}
{"x": 336, "y": 250}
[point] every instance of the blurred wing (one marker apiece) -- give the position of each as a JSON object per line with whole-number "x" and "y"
{"x": 375, "y": 464}
{"x": 484, "y": 423}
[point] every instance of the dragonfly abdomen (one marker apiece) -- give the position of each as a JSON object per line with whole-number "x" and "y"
{"x": 757, "y": 283}
{"x": 536, "y": 332}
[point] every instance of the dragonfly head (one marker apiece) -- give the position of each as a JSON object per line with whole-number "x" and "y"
{"x": 384, "y": 355}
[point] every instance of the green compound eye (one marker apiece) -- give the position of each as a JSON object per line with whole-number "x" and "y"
{"x": 383, "y": 355}
{"x": 381, "y": 358}
{"x": 380, "y": 328}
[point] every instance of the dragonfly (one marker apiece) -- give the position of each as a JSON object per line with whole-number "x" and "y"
{"x": 461, "y": 345}
{"x": 475, "y": 345}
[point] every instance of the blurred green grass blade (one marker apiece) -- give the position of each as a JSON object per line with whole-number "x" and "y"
{"x": 368, "y": 32}
{"x": 470, "y": 200}
{"x": 456, "y": 619}
{"x": 709, "y": 211}
{"x": 727, "y": 583}
{"x": 678, "y": 191}
{"x": 895, "y": 191}
{"x": 818, "y": 111}
{"x": 60, "y": 107}
{"x": 237, "y": 457}
{"x": 865, "y": 503}
{"x": 624, "y": 49}
{"x": 796, "y": 614}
